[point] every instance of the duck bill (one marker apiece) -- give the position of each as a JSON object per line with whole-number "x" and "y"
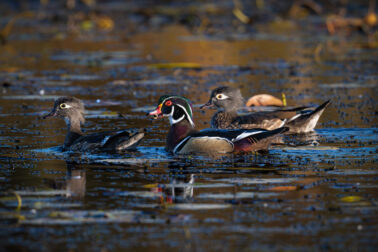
{"x": 207, "y": 105}
{"x": 157, "y": 112}
{"x": 51, "y": 114}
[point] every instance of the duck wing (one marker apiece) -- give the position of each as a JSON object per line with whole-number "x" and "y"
{"x": 258, "y": 140}
{"x": 224, "y": 141}
{"x": 264, "y": 120}
{"x": 122, "y": 140}
{"x": 107, "y": 141}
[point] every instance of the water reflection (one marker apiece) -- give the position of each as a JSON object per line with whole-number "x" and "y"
{"x": 73, "y": 184}
{"x": 305, "y": 139}
{"x": 179, "y": 189}
{"x": 75, "y": 181}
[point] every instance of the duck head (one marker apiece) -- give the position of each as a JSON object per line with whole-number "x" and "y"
{"x": 70, "y": 109}
{"x": 226, "y": 98}
{"x": 176, "y": 108}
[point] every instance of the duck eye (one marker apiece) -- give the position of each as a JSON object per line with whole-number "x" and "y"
{"x": 63, "y": 106}
{"x": 220, "y": 96}
{"x": 168, "y": 103}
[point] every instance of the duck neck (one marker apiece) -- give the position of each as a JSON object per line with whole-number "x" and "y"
{"x": 228, "y": 114}
{"x": 230, "y": 109}
{"x": 73, "y": 131}
{"x": 178, "y": 132}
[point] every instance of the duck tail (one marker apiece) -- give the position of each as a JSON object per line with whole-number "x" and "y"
{"x": 322, "y": 107}
{"x": 306, "y": 122}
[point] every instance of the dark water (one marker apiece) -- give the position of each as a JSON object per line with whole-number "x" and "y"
{"x": 321, "y": 195}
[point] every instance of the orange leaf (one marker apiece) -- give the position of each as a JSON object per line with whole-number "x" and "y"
{"x": 283, "y": 188}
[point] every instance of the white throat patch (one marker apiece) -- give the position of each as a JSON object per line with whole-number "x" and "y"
{"x": 174, "y": 121}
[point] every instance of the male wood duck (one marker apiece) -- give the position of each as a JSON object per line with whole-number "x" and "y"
{"x": 71, "y": 110}
{"x": 184, "y": 139}
{"x": 229, "y": 100}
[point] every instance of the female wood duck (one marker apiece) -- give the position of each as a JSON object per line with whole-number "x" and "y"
{"x": 71, "y": 110}
{"x": 229, "y": 100}
{"x": 184, "y": 139}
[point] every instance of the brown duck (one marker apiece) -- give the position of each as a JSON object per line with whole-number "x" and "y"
{"x": 71, "y": 110}
{"x": 228, "y": 100}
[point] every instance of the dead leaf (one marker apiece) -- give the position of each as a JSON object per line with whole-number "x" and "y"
{"x": 283, "y": 188}
{"x": 351, "y": 199}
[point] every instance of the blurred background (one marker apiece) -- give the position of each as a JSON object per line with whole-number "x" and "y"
{"x": 314, "y": 193}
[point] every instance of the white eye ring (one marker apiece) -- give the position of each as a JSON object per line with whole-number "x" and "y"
{"x": 64, "y": 106}
{"x": 221, "y": 96}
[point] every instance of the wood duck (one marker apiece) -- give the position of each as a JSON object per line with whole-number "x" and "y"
{"x": 229, "y": 100}
{"x": 71, "y": 110}
{"x": 184, "y": 139}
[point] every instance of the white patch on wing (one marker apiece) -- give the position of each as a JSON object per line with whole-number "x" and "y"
{"x": 105, "y": 140}
{"x": 283, "y": 123}
{"x": 294, "y": 117}
{"x": 246, "y": 134}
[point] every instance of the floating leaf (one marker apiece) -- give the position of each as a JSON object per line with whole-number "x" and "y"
{"x": 351, "y": 199}
{"x": 283, "y": 188}
{"x": 151, "y": 185}
{"x": 371, "y": 19}
{"x": 105, "y": 23}
{"x": 241, "y": 16}
{"x": 87, "y": 25}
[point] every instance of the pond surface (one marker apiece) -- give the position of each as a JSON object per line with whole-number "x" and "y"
{"x": 317, "y": 192}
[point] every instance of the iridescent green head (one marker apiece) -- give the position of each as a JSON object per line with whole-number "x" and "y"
{"x": 177, "y": 108}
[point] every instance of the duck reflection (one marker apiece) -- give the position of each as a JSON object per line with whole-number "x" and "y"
{"x": 75, "y": 182}
{"x": 73, "y": 185}
{"x": 179, "y": 189}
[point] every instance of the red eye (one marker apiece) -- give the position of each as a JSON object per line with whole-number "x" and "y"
{"x": 168, "y": 103}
